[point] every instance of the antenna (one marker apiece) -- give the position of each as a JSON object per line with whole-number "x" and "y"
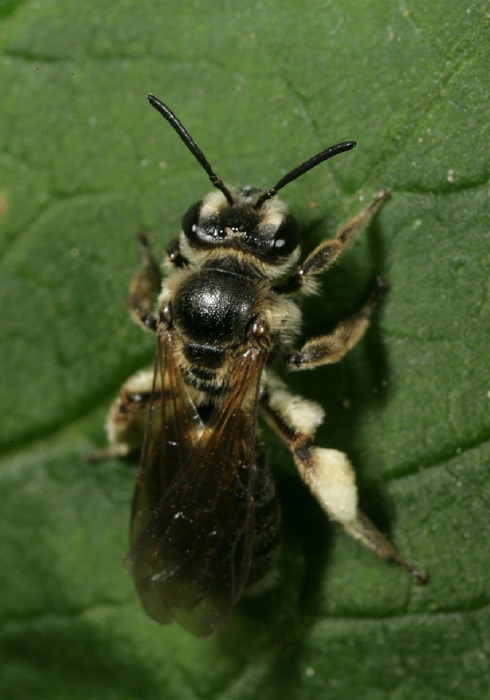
{"x": 191, "y": 145}
{"x": 303, "y": 168}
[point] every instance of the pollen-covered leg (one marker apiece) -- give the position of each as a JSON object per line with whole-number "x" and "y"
{"x": 327, "y": 472}
{"x": 126, "y": 421}
{"x": 144, "y": 287}
{"x": 326, "y": 349}
{"x": 331, "y": 479}
{"x": 322, "y": 257}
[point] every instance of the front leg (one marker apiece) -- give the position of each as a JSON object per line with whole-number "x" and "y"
{"x": 144, "y": 287}
{"x": 327, "y": 252}
{"x": 326, "y": 349}
{"x": 327, "y": 472}
{"x": 174, "y": 255}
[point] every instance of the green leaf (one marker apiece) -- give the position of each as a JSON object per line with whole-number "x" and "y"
{"x": 85, "y": 163}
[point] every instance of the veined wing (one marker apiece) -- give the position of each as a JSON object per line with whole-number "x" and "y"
{"x": 191, "y": 558}
{"x": 172, "y": 431}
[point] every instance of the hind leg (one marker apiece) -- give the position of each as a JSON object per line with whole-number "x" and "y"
{"x": 327, "y": 472}
{"x": 126, "y": 421}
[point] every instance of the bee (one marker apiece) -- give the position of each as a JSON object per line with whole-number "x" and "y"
{"x": 205, "y": 515}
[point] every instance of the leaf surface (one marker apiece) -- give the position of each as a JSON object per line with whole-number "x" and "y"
{"x": 85, "y": 163}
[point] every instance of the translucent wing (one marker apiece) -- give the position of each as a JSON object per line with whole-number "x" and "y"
{"x": 193, "y": 524}
{"x": 172, "y": 431}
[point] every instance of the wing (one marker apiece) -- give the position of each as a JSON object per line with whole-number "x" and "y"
{"x": 173, "y": 425}
{"x": 193, "y": 524}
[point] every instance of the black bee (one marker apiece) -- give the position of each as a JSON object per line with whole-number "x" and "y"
{"x": 205, "y": 516}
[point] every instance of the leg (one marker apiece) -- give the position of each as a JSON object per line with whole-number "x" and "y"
{"x": 126, "y": 422}
{"x": 144, "y": 287}
{"x": 174, "y": 255}
{"x": 326, "y": 349}
{"x": 328, "y": 251}
{"x": 328, "y": 473}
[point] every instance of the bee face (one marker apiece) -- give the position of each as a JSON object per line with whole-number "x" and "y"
{"x": 267, "y": 232}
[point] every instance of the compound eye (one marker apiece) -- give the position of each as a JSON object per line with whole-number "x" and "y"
{"x": 287, "y": 237}
{"x": 191, "y": 219}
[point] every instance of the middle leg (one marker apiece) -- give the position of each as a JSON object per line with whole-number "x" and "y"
{"x": 326, "y": 349}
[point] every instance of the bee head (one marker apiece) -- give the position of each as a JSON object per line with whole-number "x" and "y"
{"x": 252, "y": 221}
{"x": 268, "y": 232}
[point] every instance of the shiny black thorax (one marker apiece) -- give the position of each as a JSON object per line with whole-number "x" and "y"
{"x": 213, "y": 310}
